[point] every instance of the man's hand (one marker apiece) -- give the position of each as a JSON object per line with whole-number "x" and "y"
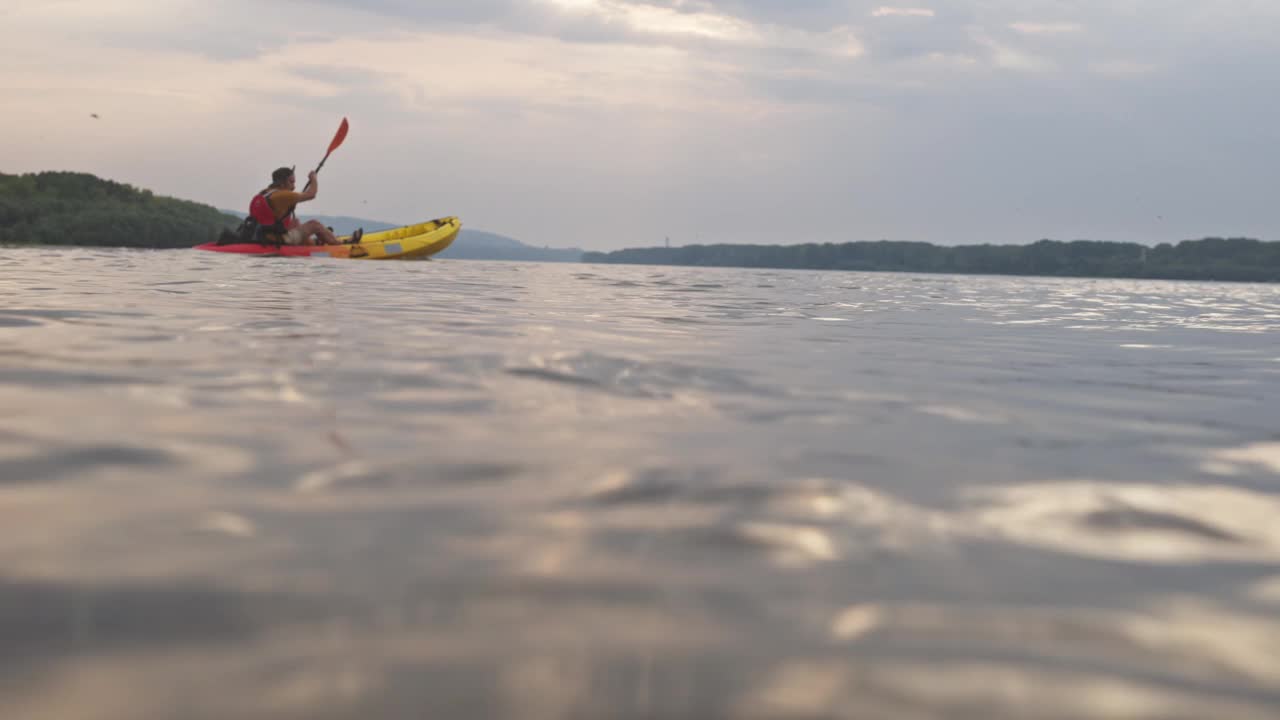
{"x": 309, "y": 191}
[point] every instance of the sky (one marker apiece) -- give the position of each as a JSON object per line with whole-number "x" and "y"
{"x": 604, "y": 124}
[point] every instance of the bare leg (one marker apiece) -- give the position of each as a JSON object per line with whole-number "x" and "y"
{"x": 321, "y": 233}
{"x": 327, "y": 236}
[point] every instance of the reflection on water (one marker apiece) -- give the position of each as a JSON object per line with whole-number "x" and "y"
{"x": 256, "y": 488}
{"x": 1149, "y": 523}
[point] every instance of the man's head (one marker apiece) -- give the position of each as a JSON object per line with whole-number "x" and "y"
{"x": 283, "y": 177}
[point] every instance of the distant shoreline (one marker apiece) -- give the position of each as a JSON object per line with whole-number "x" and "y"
{"x": 1209, "y": 259}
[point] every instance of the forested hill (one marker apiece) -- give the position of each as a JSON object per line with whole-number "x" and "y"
{"x": 1240, "y": 259}
{"x": 65, "y": 208}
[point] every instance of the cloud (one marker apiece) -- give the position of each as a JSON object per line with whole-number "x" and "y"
{"x": 1008, "y": 57}
{"x": 1058, "y": 28}
{"x": 1123, "y": 68}
{"x": 660, "y": 20}
{"x": 885, "y": 11}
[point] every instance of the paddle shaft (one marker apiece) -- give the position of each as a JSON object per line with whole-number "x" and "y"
{"x": 322, "y": 162}
{"x": 338, "y": 137}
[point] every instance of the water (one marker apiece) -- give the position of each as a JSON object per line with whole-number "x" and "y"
{"x": 260, "y": 488}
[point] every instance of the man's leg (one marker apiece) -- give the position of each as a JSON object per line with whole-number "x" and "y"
{"x": 328, "y": 236}
{"x": 322, "y": 233}
{"x": 297, "y": 236}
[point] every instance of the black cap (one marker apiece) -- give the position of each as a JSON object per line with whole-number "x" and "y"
{"x": 280, "y": 174}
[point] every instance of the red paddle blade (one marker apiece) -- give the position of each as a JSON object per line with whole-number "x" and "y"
{"x": 342, "y": 135}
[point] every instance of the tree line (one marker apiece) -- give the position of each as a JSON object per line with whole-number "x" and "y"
{"x": 67, "y": 208}
{"x": 1237, "y": 259}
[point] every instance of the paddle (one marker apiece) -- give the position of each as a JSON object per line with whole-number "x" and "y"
{"x": 337, "y": 140}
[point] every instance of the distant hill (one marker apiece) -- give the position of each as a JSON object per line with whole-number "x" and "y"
{"x": 480, "y": 245}
{"x": 344, "y": 225}
{"x": 70, "y": 208}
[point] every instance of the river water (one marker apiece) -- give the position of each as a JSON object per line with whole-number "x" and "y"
{"x": 239, "y": 487}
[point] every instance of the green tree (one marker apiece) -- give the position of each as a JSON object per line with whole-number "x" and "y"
{"x": 65, "y": 208}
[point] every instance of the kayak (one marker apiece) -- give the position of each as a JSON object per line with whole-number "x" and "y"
{"x": 411, "y": 241}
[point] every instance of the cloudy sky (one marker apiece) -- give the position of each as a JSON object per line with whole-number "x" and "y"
{"x": 617, "y": 123}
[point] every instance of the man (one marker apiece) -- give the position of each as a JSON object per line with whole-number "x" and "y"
{"x": 277, "y": 217}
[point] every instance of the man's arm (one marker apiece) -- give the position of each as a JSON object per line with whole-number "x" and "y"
{"x": 313, "y": 186}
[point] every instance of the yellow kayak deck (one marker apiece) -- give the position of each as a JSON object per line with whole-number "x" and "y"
{"x": 403, "y": 243}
